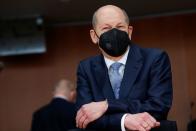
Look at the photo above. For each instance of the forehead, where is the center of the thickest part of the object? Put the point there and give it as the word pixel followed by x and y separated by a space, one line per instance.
pixel 110 16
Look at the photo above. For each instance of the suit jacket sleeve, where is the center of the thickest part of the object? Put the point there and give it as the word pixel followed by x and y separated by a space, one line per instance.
pixel 159 94
pixel 84 96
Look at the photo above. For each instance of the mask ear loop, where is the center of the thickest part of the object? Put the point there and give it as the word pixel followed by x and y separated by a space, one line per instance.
pixel 96 35
pixel 128 34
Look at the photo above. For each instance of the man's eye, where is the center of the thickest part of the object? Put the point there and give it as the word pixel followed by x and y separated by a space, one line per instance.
pixel 120 27
pixel 105 28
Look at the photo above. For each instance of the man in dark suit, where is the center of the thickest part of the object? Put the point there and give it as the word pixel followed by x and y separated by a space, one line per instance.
pixel 59 114
pixel 126 87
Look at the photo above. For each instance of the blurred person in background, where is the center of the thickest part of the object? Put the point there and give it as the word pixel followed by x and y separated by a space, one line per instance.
pixel 59 114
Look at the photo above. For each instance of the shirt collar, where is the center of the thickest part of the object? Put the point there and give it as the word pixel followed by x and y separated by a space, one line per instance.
pixel 60 96
pixel 123 60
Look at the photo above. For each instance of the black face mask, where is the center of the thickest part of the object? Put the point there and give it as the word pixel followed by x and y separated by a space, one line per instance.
pixel 114 42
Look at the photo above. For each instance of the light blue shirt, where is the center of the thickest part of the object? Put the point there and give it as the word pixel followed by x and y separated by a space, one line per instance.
pixel 123 60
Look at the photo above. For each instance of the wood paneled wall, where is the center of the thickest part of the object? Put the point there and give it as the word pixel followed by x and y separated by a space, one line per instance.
pixel 26 82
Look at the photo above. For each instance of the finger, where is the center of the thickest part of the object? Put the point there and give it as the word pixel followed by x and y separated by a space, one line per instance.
pixel 150 123
pixel 139 124
pixel 81 121
pixel 157 124
pixel 78 116
pixel 151 120
pixel 140 128
pixel 148 128
pixel 85 123
pixel 145 125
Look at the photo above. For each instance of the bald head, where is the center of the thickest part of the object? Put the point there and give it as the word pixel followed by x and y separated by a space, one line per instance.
pixel 64 85
pixel 109 17
pixel 66 89
pixel 109 10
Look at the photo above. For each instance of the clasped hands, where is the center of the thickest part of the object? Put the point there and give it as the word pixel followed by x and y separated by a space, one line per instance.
pixel 94 110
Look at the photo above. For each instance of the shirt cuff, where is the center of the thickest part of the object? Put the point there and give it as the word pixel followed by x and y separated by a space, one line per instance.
pixel 123 123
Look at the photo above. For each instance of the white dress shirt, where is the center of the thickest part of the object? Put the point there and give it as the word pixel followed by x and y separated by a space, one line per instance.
pixel 123 60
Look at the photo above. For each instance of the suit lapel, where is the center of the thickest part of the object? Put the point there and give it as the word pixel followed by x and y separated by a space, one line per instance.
pixel 132 69
pixel 102 78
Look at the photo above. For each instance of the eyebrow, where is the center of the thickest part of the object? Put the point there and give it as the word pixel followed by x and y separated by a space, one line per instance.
pixel 110 25
pixel 119 24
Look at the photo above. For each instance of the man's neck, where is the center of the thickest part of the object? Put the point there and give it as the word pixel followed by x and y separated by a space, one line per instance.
pixel 113 58
pixel 60 96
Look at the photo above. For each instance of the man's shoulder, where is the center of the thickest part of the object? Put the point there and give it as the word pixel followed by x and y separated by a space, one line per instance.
pixel 61 104
pixel 91 59
pixel 41 110
pixel 149 52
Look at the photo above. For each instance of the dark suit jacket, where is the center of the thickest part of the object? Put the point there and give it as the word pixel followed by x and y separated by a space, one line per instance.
pixel 146 86
pixel 58 115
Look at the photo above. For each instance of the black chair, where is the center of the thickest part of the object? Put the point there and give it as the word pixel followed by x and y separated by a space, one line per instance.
pixel 165 126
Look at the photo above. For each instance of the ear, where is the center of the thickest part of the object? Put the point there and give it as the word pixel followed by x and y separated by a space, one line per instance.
pixel 93 36
pixel 72 96
pixel 130 30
